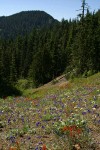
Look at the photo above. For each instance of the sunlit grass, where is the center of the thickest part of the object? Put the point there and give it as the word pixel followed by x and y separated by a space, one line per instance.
pixel 55 117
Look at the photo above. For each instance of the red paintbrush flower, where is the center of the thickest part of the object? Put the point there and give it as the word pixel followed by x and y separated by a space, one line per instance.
pixel 64 128
pixel 44 147
pixel 79 131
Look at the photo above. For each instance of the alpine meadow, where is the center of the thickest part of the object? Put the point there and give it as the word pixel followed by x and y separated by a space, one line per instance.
pixel 50 81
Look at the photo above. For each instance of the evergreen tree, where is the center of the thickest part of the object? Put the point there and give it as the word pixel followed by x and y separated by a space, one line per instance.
pixel 13 73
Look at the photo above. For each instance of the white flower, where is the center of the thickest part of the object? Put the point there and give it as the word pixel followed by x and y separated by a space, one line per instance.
pixel 93 109
pixel 62 123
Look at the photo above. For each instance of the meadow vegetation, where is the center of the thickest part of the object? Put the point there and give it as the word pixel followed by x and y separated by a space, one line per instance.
pixel 53 117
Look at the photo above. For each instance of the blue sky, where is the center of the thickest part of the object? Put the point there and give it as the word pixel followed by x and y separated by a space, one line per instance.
pixel 57 8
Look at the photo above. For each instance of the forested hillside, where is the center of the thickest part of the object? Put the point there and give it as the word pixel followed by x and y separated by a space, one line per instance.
pixel 72 46
pixel 22 23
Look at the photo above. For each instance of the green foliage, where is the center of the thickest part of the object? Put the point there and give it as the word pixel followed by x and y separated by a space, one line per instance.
pixel 24 84
pixel 74 129
pixel 24 22
pixel 25 129
pixel 40 56
pixel 90 73
pixel 47 117
pixel 61 118
pixel 2 124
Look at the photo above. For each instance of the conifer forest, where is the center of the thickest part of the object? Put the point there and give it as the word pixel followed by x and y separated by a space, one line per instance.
pixel 48 47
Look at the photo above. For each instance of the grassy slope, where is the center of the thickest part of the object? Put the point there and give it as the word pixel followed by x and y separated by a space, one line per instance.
pixel 30 119
pixel 93 81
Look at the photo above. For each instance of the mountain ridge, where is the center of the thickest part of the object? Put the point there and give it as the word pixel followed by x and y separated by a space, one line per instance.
pixel 23 22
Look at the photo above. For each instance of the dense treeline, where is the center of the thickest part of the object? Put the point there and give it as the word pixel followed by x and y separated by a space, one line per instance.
pixel 72 46
pixel 23 22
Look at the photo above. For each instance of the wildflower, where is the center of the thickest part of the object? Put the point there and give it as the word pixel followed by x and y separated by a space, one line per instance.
pixel 88 111
pixel 71 128
pixel 71 134
pixel 9 120
pixel 95 106
pixel 38 123
pixel 79 131
pixel 93 109
pixel 65 128
pixel 84 113
pixel 29 138
pixel 22 118
pixel 36 148
pixel 17 142
pixel 43 127
pixel 44 147
pixel 18 146
pixel 12 139
pixel 74 128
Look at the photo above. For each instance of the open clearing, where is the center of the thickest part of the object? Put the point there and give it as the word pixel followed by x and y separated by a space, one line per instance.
pixel 56 116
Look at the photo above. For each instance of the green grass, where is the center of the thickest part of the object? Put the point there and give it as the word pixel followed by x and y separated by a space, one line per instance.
pixel 60 117
pixel 76 83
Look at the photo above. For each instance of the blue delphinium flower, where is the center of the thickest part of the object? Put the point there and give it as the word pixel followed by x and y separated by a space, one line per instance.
pixel 12 139
pixel 9 120
pixel 89 111
pixel 42 127
pixel 95 106
pixel 84 113
pixel 38 123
